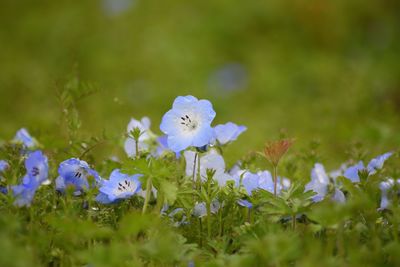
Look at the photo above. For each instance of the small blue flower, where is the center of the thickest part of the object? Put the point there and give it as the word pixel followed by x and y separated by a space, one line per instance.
pixel 352 172
pixel 209 161
pixel 162 147
pixel 36 174
pixel 25 192
pixel 74 172
pixel 200 209
pixel 37 167
pixel 188 123
pixel 143 144
pixel 319 182
pixel 119 186
pixel 250 182
pixel 225 133
pixel 377 163
pixel 3 165
pixel 245 203
pixel 23 137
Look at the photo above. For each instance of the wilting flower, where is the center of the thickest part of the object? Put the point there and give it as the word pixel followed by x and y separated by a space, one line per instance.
pixel 373 166
pixel 225 133
pixel 24 138
pixel 119 186
pixel 130 144
pixel 188 123
pixel 37 168
pixel 274 151
pixel 210 161
pixel 74 173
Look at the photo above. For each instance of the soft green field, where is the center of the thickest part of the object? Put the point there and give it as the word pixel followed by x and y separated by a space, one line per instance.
pixel 322 71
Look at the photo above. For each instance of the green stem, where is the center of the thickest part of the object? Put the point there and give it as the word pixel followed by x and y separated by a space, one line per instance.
pixel 275 176
pixel 220 222
pixel 194 170
pixel 200 232
pixel 198 174
pixel 147 197
pixel 294 221
pixel 209 220
pixel 137 148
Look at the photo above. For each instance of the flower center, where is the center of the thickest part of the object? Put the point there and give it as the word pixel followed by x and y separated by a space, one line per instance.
pixel 35 171
pixel 78 174
pixel 126 186
pixel 188 122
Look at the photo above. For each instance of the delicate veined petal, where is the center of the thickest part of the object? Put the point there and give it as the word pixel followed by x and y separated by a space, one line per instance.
pixel 377 163
pixel 319 182
pixel 352 172
pixel 188 123
pixel 23 136
pixel 225 133
pixel 266 181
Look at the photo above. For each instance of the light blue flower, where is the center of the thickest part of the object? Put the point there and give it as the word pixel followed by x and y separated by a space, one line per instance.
pixel 245 203
pixel 23 137
pixel 352 172
pixel 130 144
pixel 209 161
pixel 385 188
pixel 377 163
pixel 373 166
pixel 266 182
pixel 225 133
pixel 188 123
pixel 3 165
pixel 162 147
pixel 200 209
pixel 250 182
pixel 25 192
pixel 74 172
pixel 119 186
pixel 37 169
pixel 319 184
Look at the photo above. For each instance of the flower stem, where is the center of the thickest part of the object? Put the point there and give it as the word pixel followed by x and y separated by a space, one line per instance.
pixel 200 232
pixel 137 148
pixel 209 220
pixel 194 170
pixel 198 174
pixel 147 197
pixel 294 221
pixel 275 176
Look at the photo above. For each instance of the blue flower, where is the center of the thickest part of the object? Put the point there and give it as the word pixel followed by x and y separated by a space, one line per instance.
pixel 225 133
pixel 377 163
pixel 188 123
pixel 3 165
pixel 25 192
pixel 209 161
pixel 74 172
pixel 319 184
pixel 23 137
pixel 266 182
pixel 143 144
pixel 162 147
pixel 245 203
pixel 352 172
pixel 200 209
pixel 373 166
pixel 37 169
pixel 119 186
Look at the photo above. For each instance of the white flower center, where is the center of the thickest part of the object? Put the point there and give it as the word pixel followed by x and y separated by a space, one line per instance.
pixel 125 186
pixel 188 122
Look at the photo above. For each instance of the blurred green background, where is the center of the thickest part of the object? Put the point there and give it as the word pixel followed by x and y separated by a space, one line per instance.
pixel 326 70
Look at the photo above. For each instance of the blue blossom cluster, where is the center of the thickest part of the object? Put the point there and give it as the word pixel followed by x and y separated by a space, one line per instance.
pixel 187 132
